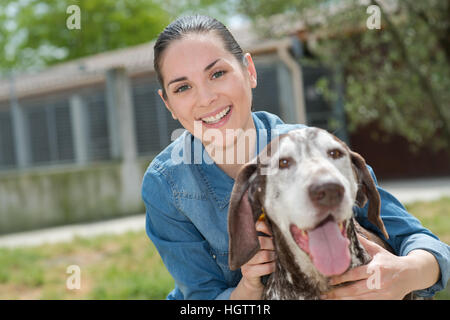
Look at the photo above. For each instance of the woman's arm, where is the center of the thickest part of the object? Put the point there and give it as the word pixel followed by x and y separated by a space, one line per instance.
pixel 185 253
pixel 424 267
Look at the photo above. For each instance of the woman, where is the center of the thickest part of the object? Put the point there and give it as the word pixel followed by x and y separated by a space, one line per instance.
pixel 206 83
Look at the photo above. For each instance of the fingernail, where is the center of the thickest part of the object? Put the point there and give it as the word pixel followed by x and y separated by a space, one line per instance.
pixel 323 296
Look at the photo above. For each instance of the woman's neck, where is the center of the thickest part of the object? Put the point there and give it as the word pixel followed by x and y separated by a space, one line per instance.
pixel 232 157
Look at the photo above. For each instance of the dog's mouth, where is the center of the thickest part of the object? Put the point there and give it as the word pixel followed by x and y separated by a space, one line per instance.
pixel 327 246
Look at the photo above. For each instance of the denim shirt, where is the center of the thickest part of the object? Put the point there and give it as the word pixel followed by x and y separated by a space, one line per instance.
pixel 186 197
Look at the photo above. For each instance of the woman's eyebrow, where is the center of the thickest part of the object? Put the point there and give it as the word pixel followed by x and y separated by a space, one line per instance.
pixel 209 66
pixel 176 80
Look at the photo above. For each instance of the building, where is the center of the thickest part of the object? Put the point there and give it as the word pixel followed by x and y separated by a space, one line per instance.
pixel 76 138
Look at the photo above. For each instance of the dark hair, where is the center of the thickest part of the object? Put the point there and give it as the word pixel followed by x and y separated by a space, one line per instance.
pixel 192 24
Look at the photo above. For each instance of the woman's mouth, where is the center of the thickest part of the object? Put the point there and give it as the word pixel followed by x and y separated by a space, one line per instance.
pixel 219 119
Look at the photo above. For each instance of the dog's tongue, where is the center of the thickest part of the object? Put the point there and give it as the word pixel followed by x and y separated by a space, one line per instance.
pixel 329 249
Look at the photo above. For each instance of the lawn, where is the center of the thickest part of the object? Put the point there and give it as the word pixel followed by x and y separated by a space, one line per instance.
pixel 112 267
pixel 127 266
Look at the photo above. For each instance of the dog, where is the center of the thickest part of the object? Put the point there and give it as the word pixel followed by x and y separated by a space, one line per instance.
pixel 306 183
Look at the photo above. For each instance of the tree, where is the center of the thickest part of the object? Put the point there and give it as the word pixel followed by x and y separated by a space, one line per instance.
pixel 398 75
pixel 34 34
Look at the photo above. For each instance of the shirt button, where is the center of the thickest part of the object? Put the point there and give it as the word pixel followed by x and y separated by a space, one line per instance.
pixel 214 256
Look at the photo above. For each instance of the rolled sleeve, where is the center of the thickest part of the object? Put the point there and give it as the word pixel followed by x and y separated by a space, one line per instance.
pixel 185 253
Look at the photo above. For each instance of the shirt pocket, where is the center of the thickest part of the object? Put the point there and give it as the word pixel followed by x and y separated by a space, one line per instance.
pixel 231 277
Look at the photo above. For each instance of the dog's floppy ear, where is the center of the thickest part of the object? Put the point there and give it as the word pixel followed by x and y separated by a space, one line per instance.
pixel 242 216
pixel 367 190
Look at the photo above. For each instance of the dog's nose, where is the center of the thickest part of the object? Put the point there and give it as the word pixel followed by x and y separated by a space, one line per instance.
pixel 326 194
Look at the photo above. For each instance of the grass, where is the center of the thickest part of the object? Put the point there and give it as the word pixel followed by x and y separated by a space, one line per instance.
pixel 112 267
pixel 434 215
pixel 128 266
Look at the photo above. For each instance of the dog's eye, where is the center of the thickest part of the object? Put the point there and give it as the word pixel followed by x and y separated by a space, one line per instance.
pixel 335 153
pixel 284 163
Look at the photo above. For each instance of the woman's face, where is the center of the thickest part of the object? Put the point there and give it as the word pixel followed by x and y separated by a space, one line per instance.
pixel 207 87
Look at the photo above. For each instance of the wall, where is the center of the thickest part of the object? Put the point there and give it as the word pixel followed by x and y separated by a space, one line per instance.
pixel 44 198
pixel 391 156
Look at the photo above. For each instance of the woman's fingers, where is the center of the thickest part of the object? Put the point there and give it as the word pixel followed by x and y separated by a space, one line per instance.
pixel 263 262
pixel 263 256
pixel 257 270
pixel 353 290
pixel 266 243
pixel 262 226
pixel 263 269
pixel 357 273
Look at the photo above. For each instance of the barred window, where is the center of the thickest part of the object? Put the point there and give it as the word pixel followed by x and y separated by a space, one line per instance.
pixel 266 93
pixel 63 132
pixel 98 132
pixel 7 149
pixel 39 138
pixel 317 108
pixel 154 124
pixel 49 131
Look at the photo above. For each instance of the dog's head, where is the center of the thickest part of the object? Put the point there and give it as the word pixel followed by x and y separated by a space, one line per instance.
pixel 307 181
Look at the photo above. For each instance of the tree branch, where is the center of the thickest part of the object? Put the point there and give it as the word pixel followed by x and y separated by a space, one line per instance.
pixel 422 78
pixel 441 35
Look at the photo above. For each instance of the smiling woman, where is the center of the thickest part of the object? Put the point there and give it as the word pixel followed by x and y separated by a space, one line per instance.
pixel 206 84
pixel 213 90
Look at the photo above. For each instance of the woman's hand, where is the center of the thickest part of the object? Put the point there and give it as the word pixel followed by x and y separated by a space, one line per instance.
pixel 262 263
pixel 386 276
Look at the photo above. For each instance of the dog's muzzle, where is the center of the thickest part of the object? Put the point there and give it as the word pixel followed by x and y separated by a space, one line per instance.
pixel 326 244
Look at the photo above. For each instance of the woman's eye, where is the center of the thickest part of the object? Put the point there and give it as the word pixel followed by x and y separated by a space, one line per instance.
pixel 181 88
pixel 218 74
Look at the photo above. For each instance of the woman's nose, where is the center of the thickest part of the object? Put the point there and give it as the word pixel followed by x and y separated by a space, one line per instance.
pixel 206 96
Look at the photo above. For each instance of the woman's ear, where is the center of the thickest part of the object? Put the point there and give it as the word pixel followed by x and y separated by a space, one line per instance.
pixel 250 66
pixel 166 104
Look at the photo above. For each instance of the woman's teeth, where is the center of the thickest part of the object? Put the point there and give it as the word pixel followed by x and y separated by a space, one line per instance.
pixel 217 117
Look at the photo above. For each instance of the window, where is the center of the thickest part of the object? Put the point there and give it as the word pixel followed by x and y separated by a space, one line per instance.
pixel 97 126
pixel 7 150
pixel 49 131
pixel 266 95
pixel 154 124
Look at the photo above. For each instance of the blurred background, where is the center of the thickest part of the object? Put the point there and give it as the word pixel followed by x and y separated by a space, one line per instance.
pixel 80 120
